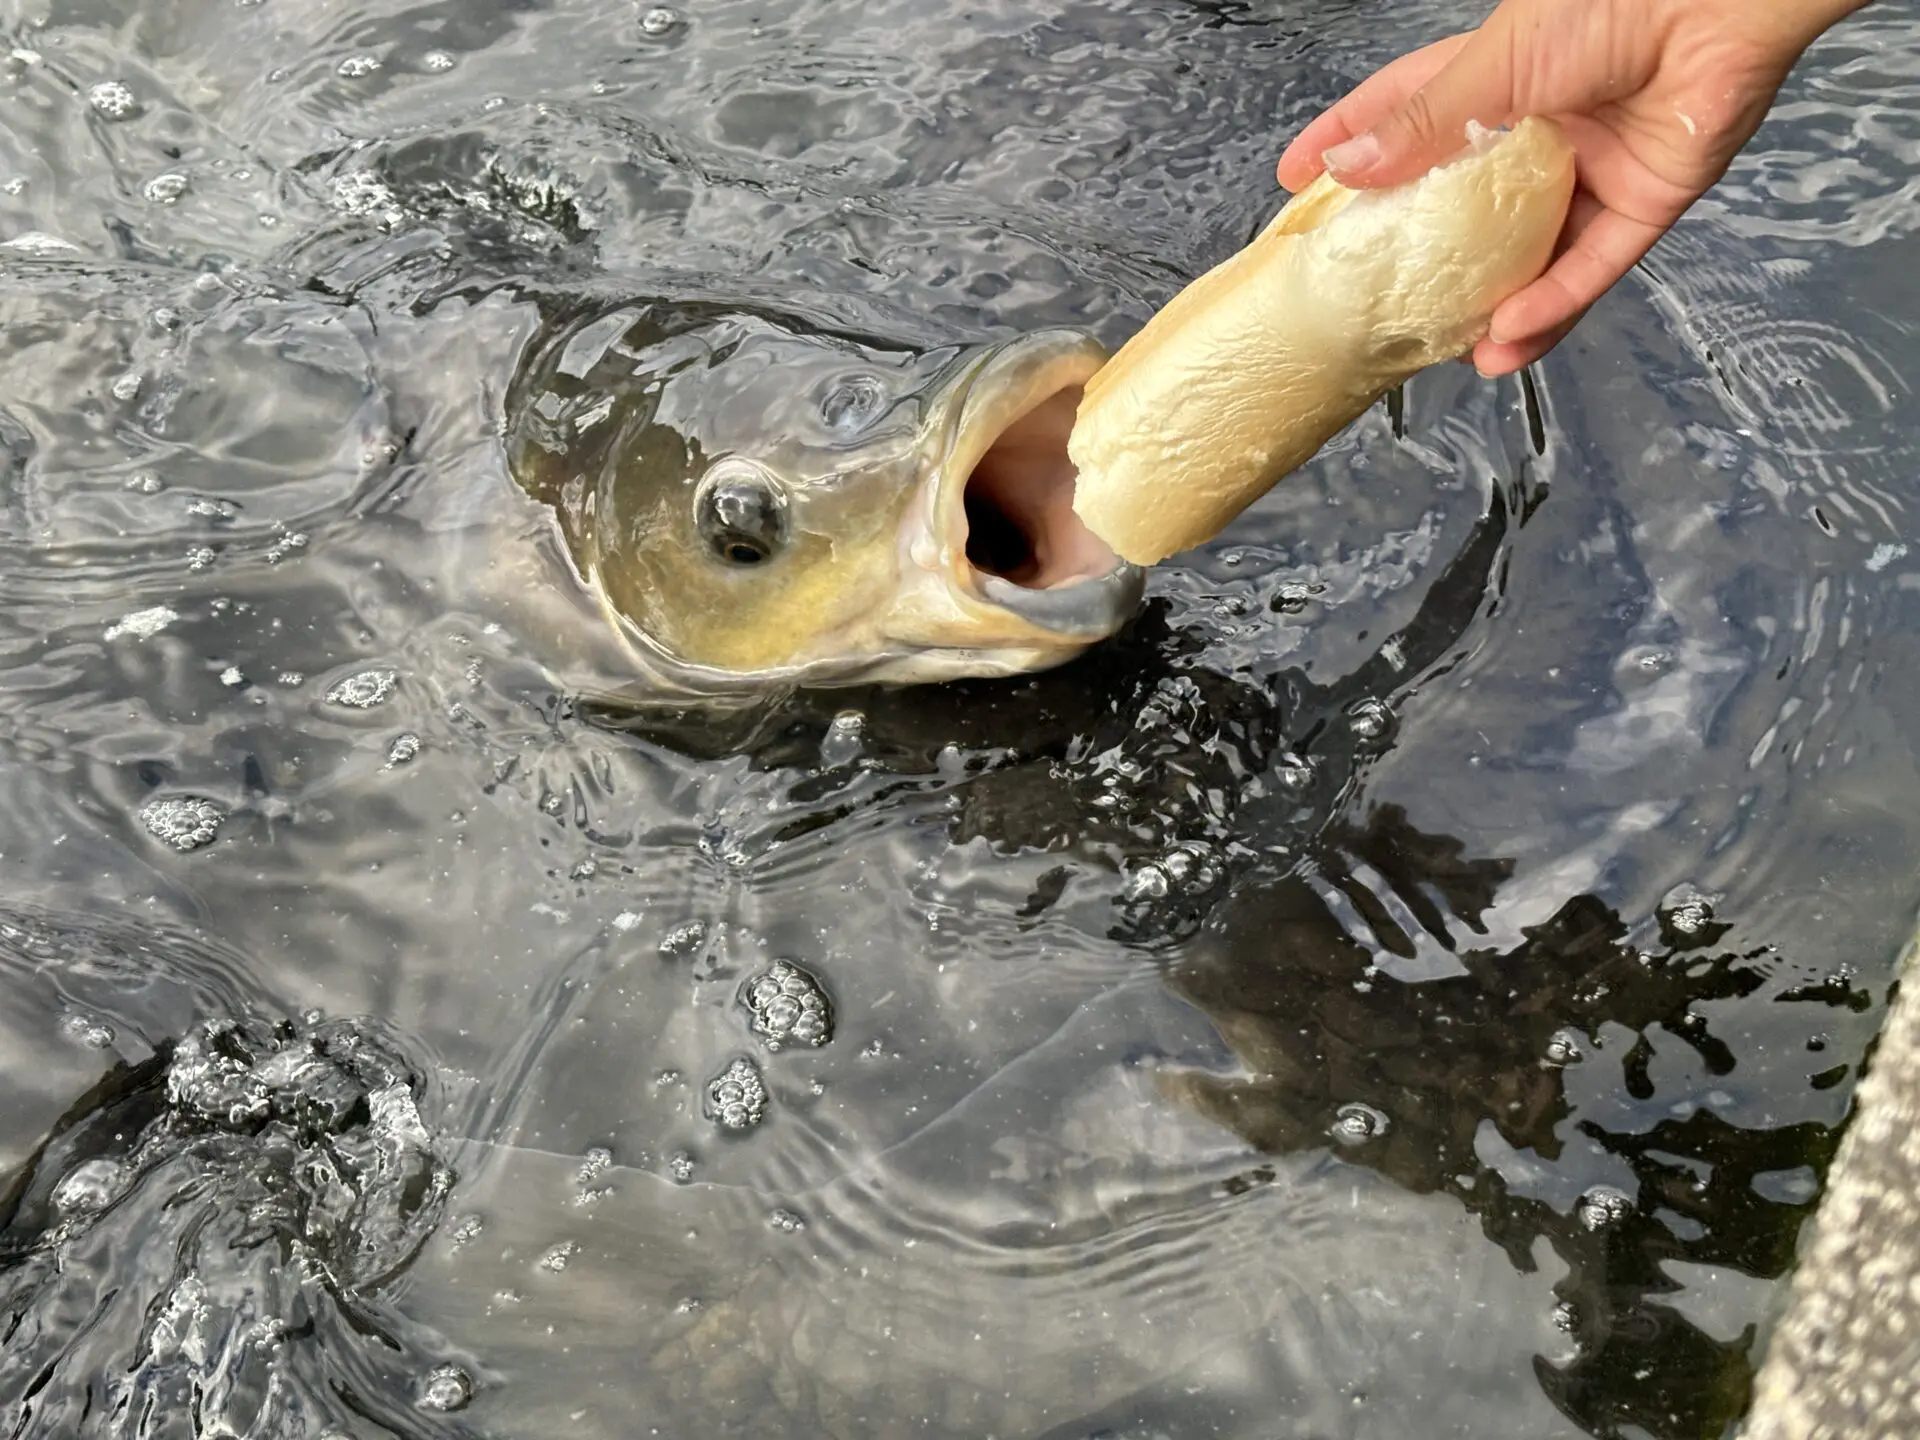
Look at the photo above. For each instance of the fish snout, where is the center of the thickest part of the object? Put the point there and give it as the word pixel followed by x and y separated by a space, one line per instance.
pixel 1013 540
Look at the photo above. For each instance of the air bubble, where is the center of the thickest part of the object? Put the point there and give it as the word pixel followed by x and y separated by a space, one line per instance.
pixel 126 387
pixel 1564 1049
pixel 445 1388
pixel 845 737
pixel 1355 1124
pixel 112 100
pixel 1370 720
pixel 737 1097
pixel 186 822
pixel 659 20
pixel 1603 1208
pixel 788 1005
pixel 365 690
pixel 167 188
pixel 787 1222
pixel 1191 867
pixel 1292 599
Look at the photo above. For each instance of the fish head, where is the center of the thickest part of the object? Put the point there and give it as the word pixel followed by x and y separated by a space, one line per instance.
pixel 758 500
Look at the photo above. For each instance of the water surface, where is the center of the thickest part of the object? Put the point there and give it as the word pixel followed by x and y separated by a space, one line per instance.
pixel 1408 984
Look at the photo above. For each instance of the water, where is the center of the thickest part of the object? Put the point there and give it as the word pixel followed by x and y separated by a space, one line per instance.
pixel 1406 985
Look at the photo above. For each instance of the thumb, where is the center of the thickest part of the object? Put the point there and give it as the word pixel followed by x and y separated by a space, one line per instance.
pixel 1430 125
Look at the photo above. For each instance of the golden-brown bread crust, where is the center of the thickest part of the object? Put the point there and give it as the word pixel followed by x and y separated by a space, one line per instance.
pixel 1247 372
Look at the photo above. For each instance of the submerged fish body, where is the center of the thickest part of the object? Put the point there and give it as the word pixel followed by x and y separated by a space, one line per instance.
pixel 756 500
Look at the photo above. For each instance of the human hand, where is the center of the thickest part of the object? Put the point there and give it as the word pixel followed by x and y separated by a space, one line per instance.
pixel 1656 97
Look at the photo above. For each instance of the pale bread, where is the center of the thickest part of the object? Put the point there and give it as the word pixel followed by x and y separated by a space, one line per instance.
pixel 1247 372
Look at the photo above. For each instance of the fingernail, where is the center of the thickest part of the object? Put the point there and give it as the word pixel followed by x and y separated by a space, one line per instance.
pixel 1350 157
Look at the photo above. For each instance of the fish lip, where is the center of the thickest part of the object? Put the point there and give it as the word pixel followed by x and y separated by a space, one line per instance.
pixel 1084 610
pixel 1085 592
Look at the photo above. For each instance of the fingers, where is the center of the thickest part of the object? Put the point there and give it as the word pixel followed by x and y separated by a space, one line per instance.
pixel 1606 246
pixel 1492 357
pixel 1361 107
pixel 1426 126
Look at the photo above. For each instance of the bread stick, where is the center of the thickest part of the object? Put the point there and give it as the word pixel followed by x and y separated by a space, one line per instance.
pixel 1248 371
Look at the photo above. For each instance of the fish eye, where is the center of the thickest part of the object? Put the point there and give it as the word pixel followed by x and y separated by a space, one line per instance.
pixel 850 404
pixel 740 514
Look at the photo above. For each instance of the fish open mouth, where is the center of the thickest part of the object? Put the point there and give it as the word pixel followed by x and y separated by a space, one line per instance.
pixel 1025 549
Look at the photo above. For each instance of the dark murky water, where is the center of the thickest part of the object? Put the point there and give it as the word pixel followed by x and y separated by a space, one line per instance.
pixel 1406 985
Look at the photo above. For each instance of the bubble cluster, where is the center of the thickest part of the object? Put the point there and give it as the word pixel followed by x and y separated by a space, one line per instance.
pixel 787 1222
pixel 789 1006
pixel 38 242
pixel 737 1097
pixel 365 690
pixel 1690 916
pixel 186 822
pixel 357 67
pixel 445 1388
pixel 367 196
pixel 404 747
pixel 1603 1208
pixel 684 940
pixel 84 1031
pixel 142 624
pixel 438 61
pixel 284 546
pixel 1355 1124
pixel 112 100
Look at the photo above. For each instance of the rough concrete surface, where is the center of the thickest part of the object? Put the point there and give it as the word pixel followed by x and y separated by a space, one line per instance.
pixel 1844 1363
